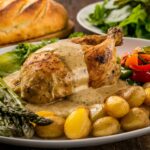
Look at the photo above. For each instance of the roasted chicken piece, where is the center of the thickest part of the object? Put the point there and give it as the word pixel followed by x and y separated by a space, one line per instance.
pixel 69 66
pixel 101 60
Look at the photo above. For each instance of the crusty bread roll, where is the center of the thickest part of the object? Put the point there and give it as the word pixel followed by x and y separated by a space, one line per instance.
pixel 26 19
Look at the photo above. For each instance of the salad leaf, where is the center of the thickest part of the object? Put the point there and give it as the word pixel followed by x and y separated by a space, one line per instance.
pixel 131 15
pixel 147 26
pixel 118 15
pixel 12 61
pixel 76 34
pixel 135 20
pixel 99 12
pixel 110 4
pixel 121 2
pixel 138 14
pixel 143 1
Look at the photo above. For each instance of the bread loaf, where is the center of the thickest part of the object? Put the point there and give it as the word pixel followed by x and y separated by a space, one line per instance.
pixel 26 19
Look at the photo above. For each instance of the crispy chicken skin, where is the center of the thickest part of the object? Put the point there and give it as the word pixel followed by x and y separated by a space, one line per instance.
pixel 101 59
pixel 46 78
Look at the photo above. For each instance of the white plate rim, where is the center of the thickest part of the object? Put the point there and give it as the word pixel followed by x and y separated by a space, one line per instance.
pixel 94 141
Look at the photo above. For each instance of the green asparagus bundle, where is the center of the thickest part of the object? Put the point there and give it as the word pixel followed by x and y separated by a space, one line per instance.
pixel 19 112
pixel 15 120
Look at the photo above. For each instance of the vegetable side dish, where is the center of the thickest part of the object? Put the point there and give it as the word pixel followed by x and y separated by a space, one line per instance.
pixel 136 66
pixel 131 15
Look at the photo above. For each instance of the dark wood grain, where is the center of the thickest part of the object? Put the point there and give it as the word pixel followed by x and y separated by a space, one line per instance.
pixel 73 6
pixel 141 143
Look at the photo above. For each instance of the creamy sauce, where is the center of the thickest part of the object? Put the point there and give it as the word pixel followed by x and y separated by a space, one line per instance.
pixel 84 98
pixel 73 57
pixel 92 96
pixel 62 108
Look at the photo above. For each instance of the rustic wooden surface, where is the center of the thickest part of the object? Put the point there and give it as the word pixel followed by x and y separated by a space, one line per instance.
pixel 141 143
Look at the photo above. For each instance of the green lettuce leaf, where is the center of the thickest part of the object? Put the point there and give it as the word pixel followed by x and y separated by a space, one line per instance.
pixel 98 16
pixel 76 34
pixel 138 14
pixel 12 61
pixel 147 25
pixel 118 15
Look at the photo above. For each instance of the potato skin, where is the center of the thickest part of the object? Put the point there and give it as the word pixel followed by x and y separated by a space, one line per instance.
pixel 147 99
pixel 135 95
pixel 146 85
pixel 54 130
pixel 97 111
pixel 105 126
pixel 116 106
pixel 78 124
pixel 146 109
pixel 135 119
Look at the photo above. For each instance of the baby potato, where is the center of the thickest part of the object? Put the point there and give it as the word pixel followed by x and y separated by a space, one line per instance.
pixel 116 106
pixel 45 113
pixel 146 109
pixel 135 96
pixel 105 126
pixel 147 99
pixel 78 124
pixel 146 85
pixel 97 111
pixel 135 119
pixel 54 130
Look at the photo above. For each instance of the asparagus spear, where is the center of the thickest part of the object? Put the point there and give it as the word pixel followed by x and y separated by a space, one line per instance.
pixel 15 126
pixel 7 126
pixel 19 110
pixel 14 118
pixel 27 128
pixel 4 130
pixel 32 117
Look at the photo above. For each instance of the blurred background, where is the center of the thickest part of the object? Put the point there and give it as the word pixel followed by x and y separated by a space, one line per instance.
pixel 73 6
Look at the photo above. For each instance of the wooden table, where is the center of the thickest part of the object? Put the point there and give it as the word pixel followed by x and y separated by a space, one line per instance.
pixel 141 143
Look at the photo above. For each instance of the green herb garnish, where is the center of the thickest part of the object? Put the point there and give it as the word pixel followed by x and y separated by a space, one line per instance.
pixel 12 61
pixel 76 34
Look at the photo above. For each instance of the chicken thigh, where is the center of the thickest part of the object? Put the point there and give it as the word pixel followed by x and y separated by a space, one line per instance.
pixel 69 66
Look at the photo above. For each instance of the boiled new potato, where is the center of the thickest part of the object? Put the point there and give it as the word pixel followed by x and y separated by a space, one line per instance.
pixel 146 85
pixel 105 126
pixel 54 130
pixel 97 111
pixel 147 99
pixel 146 109
pixel 135 96
pixel 135 119
pixel 78 124
pixel 116 106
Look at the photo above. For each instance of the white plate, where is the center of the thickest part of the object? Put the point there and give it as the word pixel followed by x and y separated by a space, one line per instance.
pixel 82 19
pixel 128 45
pixel 83 15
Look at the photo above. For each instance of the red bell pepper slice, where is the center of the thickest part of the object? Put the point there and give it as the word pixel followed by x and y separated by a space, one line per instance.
pixel 145 57
pixel 140 67
pixel 141 76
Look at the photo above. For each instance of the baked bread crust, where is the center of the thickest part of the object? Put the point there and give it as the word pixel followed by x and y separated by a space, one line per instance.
pixel 27 19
